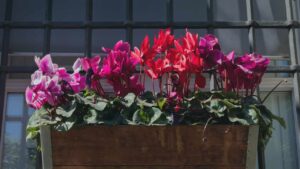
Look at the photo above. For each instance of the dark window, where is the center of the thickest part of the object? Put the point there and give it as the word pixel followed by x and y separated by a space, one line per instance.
pixel 145 10
pixel 68 10
pixel 29 10
pixel 190 10
pixel 112 10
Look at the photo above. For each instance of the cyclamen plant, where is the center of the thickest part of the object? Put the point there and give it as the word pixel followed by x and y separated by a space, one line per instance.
pixel 64 100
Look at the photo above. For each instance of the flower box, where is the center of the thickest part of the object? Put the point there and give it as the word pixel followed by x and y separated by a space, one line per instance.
pixel 155 147
pixel 175 123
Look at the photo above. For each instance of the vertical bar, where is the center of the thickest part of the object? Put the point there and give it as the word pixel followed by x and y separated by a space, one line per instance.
pixel 4 61
pixel 252 144
pixel 23 135
pixel 170 14
pixel 46 50
pixel 296 78
pixel 210 16
pixel 251 31
pixel 251 36
pixel 47 31
pixel 129 18
pixel 88 30
pixel 46 147
pixel 209 7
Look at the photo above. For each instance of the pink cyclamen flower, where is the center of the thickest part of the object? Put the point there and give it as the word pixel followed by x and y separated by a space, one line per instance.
pixel 49 83
pixel 35 99
pixel 46 65
pixel 77 82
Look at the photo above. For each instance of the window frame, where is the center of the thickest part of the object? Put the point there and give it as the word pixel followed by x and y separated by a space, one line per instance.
pixel 88 25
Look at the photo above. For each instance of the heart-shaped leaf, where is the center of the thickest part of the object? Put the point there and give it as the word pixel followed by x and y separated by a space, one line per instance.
pixel 66 110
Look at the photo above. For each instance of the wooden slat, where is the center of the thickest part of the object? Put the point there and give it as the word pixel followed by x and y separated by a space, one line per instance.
pixel 151 146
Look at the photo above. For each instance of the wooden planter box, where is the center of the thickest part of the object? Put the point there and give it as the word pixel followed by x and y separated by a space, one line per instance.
pixel 155 147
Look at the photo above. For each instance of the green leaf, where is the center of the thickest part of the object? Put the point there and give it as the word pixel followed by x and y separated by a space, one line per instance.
pixel 156 115
pixel 161 102
pixel 129 99
pixel 245 116
pixel 253 114
pixel 66 125
pixel 229 103
pixel 251 100
pixel 217 107
pixel 160 118
pixel 280 120
pixel 140 117
pixel 66 110
pixel 39 118
pixel 100 106
pixel 32 132
pixel 234 116
pixel 148 96
pixel 268 115
pixel 91 117
pixel 151 116
pixel 144 103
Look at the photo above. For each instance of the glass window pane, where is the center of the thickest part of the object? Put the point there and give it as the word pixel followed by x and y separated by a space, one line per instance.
pixel 145 10
pixel 232 10
pixel 29 10
pixel 272 42
pixel 26 40
pixel 2 11
pixel 24 44
pixel 112 10
pixel 25 76
pixel 106 38
pixel 139 35
pixel 269 10
pixel 12 145
pixel 233 39
pixel 190 10
pixel 31 154
pixel 181 32
pixel 280 151
pixel 15 104
pixel 68 10
pixel 30 111
pixel 22 60
pixel 65 60
pixel 67 40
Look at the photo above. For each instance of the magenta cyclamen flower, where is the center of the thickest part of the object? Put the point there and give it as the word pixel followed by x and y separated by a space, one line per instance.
pixel 250 69
pixel 87 64
pixel 210 51
pixel 119 68
pixel 243 72
pixel 45 89
pixel 50 82
pixel 45 65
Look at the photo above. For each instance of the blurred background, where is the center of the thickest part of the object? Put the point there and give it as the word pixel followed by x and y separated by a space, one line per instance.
pixel 75 28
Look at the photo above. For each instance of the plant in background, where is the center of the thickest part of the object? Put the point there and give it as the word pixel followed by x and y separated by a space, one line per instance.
pixel 177 65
